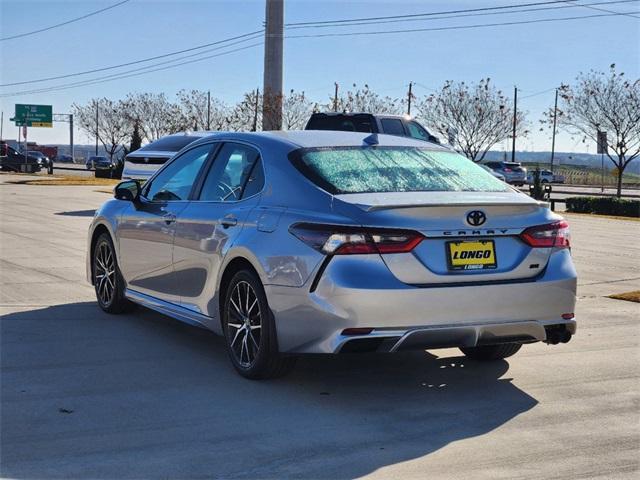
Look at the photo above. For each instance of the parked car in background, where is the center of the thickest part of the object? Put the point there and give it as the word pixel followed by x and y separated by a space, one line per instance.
pixel 106 168
pixel 514 173
pixel 14 161
pixel 499 176
pixel 546 176
pixel 400 125
pixel 96 159
pixel 64 159
pixel 42 159
pixel 144 162
pixel 305 242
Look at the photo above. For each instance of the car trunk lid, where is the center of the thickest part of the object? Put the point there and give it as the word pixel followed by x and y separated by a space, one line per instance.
pixel 444 218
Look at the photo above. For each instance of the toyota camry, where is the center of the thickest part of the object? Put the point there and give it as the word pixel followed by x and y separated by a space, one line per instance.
pixel 303 242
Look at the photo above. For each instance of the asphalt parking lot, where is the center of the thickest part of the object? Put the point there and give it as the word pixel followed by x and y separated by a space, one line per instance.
pixel 88 395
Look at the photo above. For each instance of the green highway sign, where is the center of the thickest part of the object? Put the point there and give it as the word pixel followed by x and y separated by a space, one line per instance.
pixel 33 115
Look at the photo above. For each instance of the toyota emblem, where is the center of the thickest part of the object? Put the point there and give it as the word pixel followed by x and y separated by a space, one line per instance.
pixel 476 218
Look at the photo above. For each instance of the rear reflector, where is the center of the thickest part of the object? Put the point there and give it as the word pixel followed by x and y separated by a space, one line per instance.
pixel 567 316
pixel 546 236
pixel 345 240
pixel 357 331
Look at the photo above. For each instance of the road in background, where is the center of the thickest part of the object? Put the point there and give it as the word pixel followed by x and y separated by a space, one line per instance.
pixel 90 395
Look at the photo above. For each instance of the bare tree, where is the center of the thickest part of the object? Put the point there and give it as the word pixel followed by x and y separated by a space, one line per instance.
pixel 155 114
pixel 194 109
pixel 367 101
pixel 113 128
pixel 296 109
pixel 608 103
pixel 246 115
pixel 479 115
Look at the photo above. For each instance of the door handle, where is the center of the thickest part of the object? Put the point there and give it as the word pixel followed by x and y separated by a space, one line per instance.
pixel 227 222
pixel 169 218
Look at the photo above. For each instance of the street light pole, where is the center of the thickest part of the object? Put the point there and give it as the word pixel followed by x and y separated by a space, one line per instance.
pixel 273 65
pixel 409 95
pixel 515 112
pixel 208 110
pixel 553 138
pixel 97 128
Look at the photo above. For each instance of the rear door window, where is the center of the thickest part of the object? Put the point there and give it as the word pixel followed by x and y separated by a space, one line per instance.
pixel 235 173
pixel 392 126
pixel 342 123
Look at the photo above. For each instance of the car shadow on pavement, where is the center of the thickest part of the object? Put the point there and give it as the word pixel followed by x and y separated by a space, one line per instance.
pixel 90 395
pixel 77 213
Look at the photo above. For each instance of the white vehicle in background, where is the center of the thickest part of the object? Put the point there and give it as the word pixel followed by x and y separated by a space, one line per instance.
pixel 141 164
pixel 546 176
pixel 498 175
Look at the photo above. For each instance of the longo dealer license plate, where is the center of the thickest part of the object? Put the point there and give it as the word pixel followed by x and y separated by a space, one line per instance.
pixel 475 255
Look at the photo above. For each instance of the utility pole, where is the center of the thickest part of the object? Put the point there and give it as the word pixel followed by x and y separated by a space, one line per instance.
pixel 409 95
pixel 208 110
pixel 97 128
pixel 553 137
pixel 273 60
pixel 71 147
pixel 1 124
pixel 335 97
pixel 515 113
pixel 254 127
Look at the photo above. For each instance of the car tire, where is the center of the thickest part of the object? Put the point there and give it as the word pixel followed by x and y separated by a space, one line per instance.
pixel 107 279
pixel 491 352
pixel 245 316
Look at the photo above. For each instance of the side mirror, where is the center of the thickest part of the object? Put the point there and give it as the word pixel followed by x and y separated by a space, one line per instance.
pixel 128 190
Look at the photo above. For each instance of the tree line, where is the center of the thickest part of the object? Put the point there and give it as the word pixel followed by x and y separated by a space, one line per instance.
pixel 471 117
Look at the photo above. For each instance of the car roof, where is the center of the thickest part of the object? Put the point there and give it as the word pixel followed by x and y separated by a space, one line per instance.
pixel 294 139
pixel 354 114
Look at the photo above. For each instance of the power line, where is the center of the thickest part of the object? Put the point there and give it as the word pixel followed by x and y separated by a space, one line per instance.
pixel 253 35
pixel 139 69
pixel 538 93
pixel 415 15
pixel 455 27
pixel 600 9
pixel 112 77
pixel 457 14
pixel 40 30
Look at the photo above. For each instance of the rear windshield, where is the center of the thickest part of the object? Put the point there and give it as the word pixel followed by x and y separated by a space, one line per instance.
pixel 343 123
pixel 393 169
pixel 169 144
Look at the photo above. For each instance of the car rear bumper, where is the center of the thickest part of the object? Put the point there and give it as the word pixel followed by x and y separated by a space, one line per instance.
pixel 419 317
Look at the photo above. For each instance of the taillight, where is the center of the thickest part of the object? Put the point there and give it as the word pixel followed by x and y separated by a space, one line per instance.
pixel 343 240
pixel 546 236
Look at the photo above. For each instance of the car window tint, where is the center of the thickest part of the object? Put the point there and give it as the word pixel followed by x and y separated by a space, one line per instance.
pixel 393 169
pixel 175 182
pixel 343 123
pixel 392 126
pixel 230 172
pixel 416 131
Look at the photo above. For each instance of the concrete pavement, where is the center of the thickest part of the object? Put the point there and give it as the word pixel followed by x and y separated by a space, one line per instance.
pixel 89 395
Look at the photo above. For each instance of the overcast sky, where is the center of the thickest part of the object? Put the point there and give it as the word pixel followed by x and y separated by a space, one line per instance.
pixel 536 57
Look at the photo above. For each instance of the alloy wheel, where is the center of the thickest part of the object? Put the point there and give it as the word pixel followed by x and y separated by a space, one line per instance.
pixel 244 323
pixel 105 274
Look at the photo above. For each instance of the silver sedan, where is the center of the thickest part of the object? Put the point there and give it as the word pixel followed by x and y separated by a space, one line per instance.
pixel 331 242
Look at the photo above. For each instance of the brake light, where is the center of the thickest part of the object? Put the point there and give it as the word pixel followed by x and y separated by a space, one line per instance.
pixel 343 240
pixel 546 236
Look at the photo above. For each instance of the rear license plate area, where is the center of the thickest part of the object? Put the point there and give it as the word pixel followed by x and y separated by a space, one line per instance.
pixel 471 255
